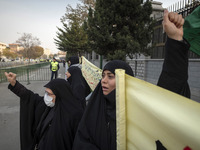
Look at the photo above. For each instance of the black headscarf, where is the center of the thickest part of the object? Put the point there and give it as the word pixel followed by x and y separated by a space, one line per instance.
pixel 118 64
pixel 97 128
pixel 79 86
pixel 74 60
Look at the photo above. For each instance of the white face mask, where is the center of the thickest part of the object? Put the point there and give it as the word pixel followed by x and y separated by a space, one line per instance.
pixel 48 100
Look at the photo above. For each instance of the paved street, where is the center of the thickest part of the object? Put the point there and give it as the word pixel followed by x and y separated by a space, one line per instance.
pixel 9 112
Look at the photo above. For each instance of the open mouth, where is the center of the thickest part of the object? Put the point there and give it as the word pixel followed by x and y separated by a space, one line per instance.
pixel 104 88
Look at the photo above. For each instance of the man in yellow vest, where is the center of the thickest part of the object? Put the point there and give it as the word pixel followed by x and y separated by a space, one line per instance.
pixel 54 67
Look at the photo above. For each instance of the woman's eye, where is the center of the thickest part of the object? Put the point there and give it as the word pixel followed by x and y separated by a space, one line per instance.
pixel 111 77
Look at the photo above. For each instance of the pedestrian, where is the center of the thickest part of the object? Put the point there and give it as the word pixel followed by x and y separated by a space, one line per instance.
pixel 49 122
pixel 97 128
pixel 63 62
pixel 54 67
pixel 78 84
pixel 74 61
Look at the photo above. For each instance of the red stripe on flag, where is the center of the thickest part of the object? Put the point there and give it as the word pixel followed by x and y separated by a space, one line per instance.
pixel 187 148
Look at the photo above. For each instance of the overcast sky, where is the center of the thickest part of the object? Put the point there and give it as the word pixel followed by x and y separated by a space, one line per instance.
pixel 38 17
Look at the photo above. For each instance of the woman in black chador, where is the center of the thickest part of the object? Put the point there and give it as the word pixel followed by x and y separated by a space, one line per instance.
pixel 74 61
pixel 79 86
pixel 97 128
pixel 49 122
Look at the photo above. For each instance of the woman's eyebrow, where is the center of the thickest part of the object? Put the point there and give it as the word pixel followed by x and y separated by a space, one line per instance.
pixel 48 92
pixel 110 73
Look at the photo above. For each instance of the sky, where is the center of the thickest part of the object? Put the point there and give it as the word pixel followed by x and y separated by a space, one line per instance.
pixel 38 17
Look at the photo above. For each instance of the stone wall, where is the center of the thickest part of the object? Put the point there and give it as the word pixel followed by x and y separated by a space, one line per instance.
pixel 150 69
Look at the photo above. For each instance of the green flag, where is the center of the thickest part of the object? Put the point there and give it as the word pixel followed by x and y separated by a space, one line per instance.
pixel 191 30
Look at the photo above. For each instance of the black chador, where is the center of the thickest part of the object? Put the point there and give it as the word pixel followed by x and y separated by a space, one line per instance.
pixel 79 86
pixel 97 128
pixel 48 128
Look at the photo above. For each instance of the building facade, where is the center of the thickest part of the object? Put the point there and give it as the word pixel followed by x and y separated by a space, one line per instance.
pixel 2 46
pixel 47 53
pixel 15 47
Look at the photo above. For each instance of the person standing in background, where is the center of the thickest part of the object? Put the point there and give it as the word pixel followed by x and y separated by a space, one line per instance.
pixel 54 67
pixel 63 62
pixel 80 87
pixel 74 61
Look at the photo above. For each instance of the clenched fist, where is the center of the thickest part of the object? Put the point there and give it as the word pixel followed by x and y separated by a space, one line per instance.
pixel 173 25
pixel 11 77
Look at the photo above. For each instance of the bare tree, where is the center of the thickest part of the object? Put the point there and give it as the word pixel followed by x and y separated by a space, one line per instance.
pixel 81 11
pixel 27 41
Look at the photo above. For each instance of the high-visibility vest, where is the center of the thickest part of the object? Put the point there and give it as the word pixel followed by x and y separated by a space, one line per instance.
pixel 54 66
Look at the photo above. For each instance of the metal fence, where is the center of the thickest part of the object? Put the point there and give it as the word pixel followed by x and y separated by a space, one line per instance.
pixel 184 7
pixel 36 72
pixel 14 63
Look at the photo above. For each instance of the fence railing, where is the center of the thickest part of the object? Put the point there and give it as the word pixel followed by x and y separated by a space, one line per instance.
pixel 183 7
pixel 14 63
pixel 36 72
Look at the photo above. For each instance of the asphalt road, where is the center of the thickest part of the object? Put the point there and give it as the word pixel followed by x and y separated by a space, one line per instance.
pixel 9 112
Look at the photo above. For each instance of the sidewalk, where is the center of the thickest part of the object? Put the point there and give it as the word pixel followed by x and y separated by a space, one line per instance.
pixel 9 111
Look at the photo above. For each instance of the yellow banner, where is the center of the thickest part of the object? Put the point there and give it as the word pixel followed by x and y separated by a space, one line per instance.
pixel 147 113
pixel 91 73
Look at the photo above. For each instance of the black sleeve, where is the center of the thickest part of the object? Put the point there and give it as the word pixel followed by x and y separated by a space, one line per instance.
pixel 174 73
pixel 31 108
pixel 25 95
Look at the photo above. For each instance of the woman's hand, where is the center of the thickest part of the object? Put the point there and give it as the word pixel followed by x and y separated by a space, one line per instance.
pixel 11 77
pixel 173 25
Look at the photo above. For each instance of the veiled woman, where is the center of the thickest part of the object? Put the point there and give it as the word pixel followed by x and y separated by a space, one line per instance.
pixel 79 86
pixel 49 122
pixel 97 128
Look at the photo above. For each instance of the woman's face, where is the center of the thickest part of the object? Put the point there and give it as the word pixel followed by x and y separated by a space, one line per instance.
pixel 68 74
pixel 108 82
pixel 69 62
pixel 50 93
